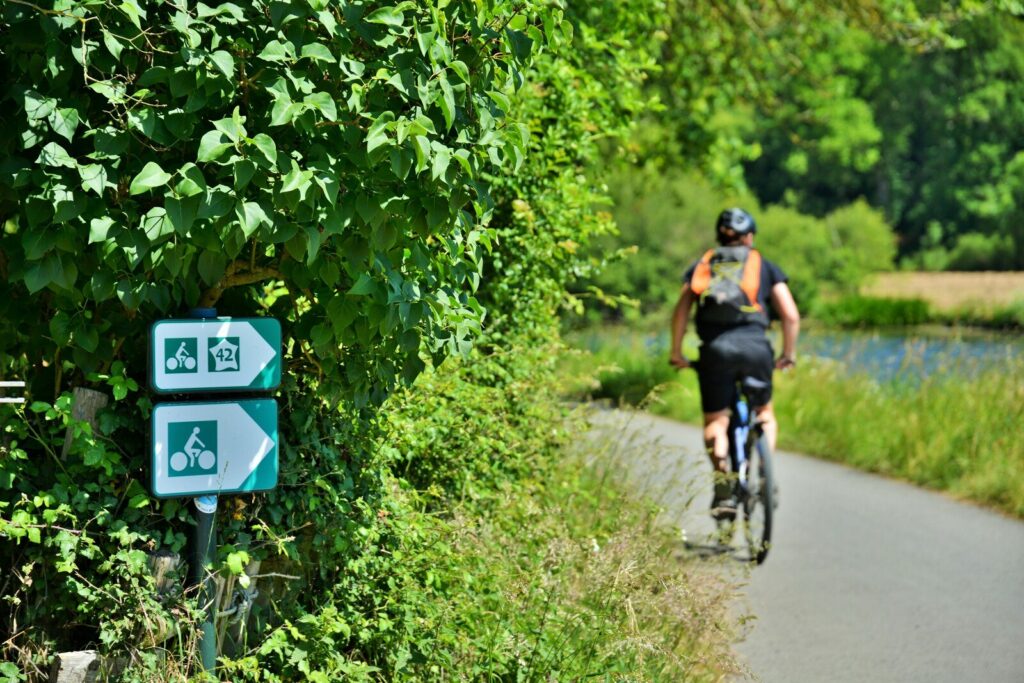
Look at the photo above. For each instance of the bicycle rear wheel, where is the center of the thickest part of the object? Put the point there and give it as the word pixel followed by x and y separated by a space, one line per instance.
pixel 759 506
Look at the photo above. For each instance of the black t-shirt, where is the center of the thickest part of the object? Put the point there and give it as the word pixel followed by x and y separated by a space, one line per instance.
pixel 771 275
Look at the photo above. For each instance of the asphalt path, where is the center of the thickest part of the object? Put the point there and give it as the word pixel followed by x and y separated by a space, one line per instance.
pixel 868 579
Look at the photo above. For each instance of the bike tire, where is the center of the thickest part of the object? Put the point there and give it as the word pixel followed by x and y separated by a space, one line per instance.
pixel 759 507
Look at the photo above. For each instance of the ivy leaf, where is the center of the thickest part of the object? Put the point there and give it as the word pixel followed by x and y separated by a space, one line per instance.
pixel 149 177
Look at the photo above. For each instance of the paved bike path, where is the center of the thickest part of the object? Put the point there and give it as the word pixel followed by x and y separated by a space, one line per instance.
pixel 868 579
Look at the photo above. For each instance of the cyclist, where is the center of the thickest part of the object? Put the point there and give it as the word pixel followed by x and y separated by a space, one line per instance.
pixel 732 287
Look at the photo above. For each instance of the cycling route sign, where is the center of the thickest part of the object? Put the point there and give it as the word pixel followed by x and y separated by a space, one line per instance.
pixel 215 354
pixel 214 447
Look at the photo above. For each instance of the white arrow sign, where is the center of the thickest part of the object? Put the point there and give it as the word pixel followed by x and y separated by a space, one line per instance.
pixel 215 354
pixel 201 448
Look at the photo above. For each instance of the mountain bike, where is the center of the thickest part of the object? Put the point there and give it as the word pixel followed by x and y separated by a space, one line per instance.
pixel 754 487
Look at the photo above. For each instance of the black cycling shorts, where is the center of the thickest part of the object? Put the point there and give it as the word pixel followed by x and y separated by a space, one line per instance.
pixel 730 358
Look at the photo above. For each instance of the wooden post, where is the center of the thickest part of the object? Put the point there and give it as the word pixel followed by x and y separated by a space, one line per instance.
pixel 85 405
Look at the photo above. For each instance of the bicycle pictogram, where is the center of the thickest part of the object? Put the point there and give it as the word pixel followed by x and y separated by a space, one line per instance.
pixel 180 355
pixel 193 446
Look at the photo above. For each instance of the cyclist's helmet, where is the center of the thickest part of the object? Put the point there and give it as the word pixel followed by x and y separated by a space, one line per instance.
pixel 733 223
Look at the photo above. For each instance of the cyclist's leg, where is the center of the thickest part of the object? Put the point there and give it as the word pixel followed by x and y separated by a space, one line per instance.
pixel 770 427
pixel 716 439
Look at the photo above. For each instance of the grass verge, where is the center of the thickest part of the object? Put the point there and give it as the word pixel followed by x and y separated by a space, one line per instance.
pixel 956 431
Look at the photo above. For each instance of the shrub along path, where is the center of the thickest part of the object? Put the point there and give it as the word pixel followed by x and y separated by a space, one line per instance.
pixel 869 579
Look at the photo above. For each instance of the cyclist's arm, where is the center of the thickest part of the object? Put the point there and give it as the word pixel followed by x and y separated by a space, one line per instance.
pixel 680 318
pixel 785 306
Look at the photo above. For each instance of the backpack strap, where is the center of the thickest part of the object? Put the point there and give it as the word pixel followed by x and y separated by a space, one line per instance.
pixel 751 282
pixel 701 277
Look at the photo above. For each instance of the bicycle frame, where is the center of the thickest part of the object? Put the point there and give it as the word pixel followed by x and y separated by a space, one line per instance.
pixel 740 428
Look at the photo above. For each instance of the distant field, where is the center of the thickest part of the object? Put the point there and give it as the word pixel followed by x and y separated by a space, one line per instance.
pixel 949 291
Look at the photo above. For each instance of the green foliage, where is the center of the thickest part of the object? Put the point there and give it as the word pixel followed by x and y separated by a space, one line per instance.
pixel 158 157
pixel 394 181
pixel 929 132
pixel 956 431
pixel 669 219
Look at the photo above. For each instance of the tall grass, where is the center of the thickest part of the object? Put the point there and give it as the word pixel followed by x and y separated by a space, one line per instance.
pixel 958 430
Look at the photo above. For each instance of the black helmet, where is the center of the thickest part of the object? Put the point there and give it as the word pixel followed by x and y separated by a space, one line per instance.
pixel 735 221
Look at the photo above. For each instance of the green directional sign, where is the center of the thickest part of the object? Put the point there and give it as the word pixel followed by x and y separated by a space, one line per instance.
pixel 215 354
pixel 214 447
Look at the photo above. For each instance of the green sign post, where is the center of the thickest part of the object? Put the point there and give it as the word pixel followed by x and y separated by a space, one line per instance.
pixel 206 449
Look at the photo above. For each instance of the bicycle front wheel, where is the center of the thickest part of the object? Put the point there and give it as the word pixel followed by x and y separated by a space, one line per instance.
pixel 759 506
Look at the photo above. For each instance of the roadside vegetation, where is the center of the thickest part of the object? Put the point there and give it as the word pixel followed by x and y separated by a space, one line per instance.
pixel 953 430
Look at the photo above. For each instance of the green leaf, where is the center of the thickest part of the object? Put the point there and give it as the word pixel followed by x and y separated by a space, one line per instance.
pixel 323 103
pixel 224 62
pixel 155 224
pixel 60 328
pixel 212 267
pixel 388 16
pixel 55 155
pixel 296 179
pixel 114 46
pixel 442 157
pixel 283 111
pixel 243 172
pixel 38 106
pixel 401 163
pixel 317 52
pixel 236 561
pixel 94 177
pixel 363 286
pixel 181 213
pixel 64 122
pixel 192 181
pixel 422 147
pixel 461 70
pixel 447 101
pixel 276 51
pixel 99 228
pixel 213 145
pixel 251 216
pixel 267 147
pixel 500 99
pixel 149 177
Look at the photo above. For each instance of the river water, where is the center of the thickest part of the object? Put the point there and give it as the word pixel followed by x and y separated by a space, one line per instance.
pixel 917 353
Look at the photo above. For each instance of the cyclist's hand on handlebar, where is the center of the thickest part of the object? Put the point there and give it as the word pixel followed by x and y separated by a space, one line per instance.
pixel 785 363
pixel 677 360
